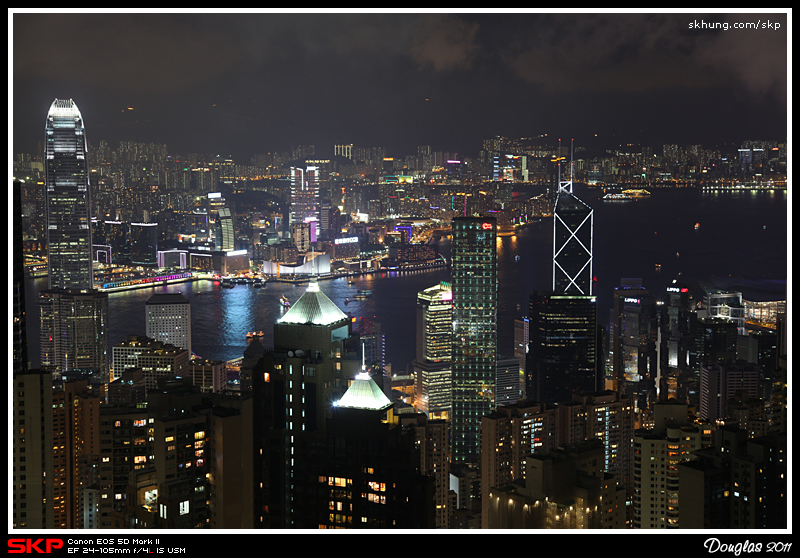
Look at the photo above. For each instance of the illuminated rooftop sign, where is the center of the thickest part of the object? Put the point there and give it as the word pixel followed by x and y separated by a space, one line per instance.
pixel 348 240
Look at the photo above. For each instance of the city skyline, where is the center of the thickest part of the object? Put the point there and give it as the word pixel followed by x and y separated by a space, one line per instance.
pixel 242 84
pixel 275 439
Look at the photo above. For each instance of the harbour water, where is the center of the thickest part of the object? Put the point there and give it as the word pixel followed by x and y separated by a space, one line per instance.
pixel 697 235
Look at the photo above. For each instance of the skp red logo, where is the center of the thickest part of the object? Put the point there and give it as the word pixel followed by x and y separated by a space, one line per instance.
pixel 29 546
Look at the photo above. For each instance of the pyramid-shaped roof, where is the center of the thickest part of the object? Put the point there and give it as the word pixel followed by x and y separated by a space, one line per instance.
pixel 314 307
pixel 364 393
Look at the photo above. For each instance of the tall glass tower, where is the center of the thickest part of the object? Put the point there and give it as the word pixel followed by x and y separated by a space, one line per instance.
pixel 474 355
pixel 304 194
pixel 74 316
pixel 573 225
pixel 67 198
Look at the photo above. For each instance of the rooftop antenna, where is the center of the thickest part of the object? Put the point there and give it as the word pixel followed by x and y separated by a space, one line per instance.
pixel 564 185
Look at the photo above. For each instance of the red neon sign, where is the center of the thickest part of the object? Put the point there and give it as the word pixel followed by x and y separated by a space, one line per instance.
pixel 487 226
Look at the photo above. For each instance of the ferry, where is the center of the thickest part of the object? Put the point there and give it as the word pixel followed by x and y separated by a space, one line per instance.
pixel 252 334
pixel 637 193
pixel 616 197
pixel 363 293
pixel 285 301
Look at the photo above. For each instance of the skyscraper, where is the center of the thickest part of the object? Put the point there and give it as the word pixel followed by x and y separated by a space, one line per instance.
pixel 294 386
pixel 562 357
pixel 432 367
pixel 73 314
pixel 226 233
pixel 563 352
pixel 68 200
pixel 573 224
pixel 305 194
pixel 474 274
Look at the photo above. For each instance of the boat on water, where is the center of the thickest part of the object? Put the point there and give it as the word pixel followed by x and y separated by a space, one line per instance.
pixel 636 192
pixel 252 334
pixel 697 226
pixel 363 293
pixel 516 258
pixel 285 301
pixel 616 196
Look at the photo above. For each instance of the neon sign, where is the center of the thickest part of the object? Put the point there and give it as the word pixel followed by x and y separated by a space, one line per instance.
pixel 486 226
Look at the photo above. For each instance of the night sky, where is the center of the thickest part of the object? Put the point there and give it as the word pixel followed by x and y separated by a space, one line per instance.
pixel 244 83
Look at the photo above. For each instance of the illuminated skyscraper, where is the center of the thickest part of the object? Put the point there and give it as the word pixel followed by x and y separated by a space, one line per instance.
pixel 474 273
pixel 315 355
pixel 73 315
pixel 573 224
pixel 67 198
pixel 305 194
pixel 433 366
pixel 226 232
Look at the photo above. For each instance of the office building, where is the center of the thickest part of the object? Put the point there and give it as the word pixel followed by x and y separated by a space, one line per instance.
pixel 573 224
pixel 73 316
pixel 169 320
pixel 629 288
pixel 678 356
pixel 433 365
pixel 521 348
pixel 726 305
pixel 67 198
pixel 225 231
pixel 563 354
pixel 506 379
pixel 719 383
pixel 73 330
pixel 144 243
pixel 304 195
pixel 208 375
pixel 635 347
pixel 155 358
pixel 474 275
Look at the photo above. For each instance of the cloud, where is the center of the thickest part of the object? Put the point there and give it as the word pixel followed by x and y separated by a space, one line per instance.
pixel 444 42
pixel 644 52
pixel 756 58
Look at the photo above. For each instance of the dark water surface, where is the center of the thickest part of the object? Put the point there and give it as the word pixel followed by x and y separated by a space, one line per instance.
pixel 739 235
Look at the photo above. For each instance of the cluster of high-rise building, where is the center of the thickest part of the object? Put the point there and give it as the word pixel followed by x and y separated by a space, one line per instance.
pixel 682 424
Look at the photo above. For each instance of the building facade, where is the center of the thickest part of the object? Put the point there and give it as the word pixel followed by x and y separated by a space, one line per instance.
pixel 474 274
pixel 169 319
pixel 67 198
